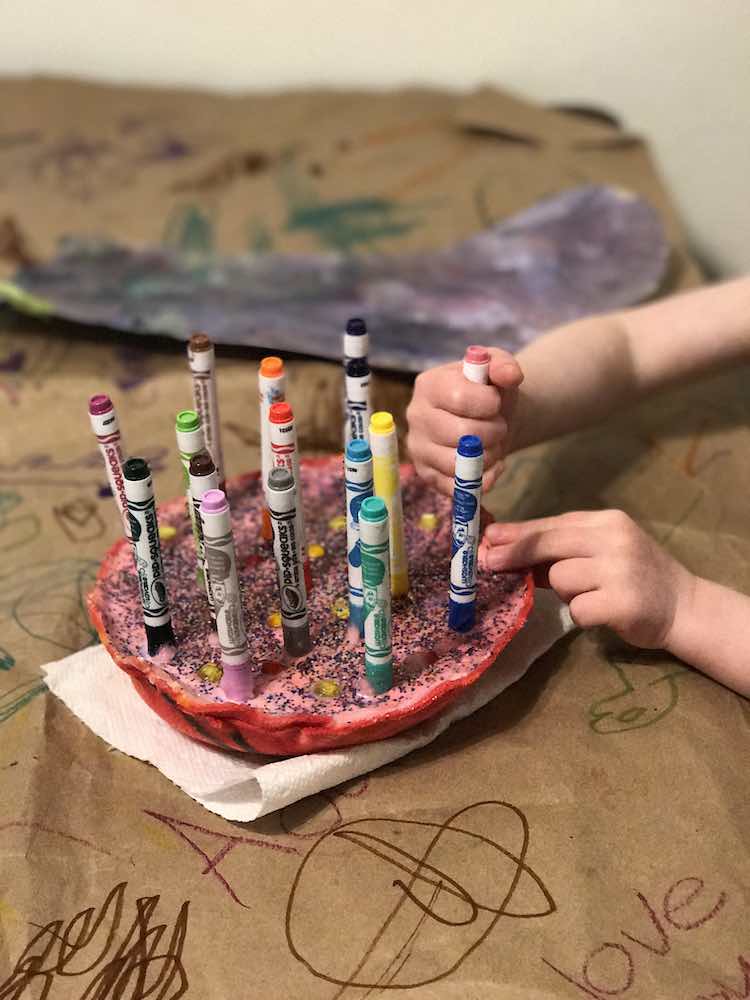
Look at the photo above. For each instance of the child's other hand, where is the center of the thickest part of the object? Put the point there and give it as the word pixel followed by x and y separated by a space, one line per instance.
pixel 445 406
pixel 603 566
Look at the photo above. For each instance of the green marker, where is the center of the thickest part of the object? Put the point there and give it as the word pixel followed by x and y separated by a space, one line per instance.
pixel 190 442
pixel 376 584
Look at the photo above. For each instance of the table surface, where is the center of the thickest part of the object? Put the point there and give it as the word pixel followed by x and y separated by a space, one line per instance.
pixel 586 834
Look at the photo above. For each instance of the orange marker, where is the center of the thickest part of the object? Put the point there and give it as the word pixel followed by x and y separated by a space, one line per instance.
pixel 285 455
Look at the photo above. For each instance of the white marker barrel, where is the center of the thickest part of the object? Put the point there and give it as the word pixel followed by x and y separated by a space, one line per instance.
pixel 358 483
pixel 374 542
pixel 271 389
pixel 285 455
pixel 105 426
pixel 203 477
pixel 355 346
pixel 282 506
pixel 357 383
pixel 477 364
pixel 467 500
pixel 190 441
pixel 144 531
pixel 203 370
pixel 221 562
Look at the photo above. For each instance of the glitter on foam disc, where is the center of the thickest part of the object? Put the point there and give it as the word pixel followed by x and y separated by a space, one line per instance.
pixel 285 715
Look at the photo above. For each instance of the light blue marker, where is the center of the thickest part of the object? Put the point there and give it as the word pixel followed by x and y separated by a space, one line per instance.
pixel 358 478
pixel 467 496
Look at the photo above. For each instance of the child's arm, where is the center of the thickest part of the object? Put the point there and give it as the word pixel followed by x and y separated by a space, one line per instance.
pixel 612 573
pixel 574 376
pixel 580 373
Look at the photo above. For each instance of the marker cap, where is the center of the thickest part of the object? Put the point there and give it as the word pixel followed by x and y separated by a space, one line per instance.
pixel 358 451
pixel 280 413
pixel 200 342
pixel 373 509
pixel 136 469
pixel 382 423
pixel 202 464
pixel 356 327
pixel 477 355
pixel 470 446
pixel 187 421
pixel 280 479
pixel 100 404
pixel 214 502
pixel 271 367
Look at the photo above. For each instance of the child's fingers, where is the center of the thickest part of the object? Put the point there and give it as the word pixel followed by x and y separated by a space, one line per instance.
pixel 536 546
pixel 503 532
pixel 570 577
pixel 447 429
pixel 505 372
pixel 446 389
pixel 433 477
pixel 590 609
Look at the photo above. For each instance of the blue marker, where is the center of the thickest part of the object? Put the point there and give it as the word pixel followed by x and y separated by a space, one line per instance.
pixel 358 477
pixel 467 495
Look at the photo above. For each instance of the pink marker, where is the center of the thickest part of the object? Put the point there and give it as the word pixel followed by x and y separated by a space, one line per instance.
pixel 107 430
pixel 477 364
pixel 221 563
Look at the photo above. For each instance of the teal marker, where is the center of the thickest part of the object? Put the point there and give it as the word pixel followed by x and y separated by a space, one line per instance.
pixel 376 585
pixel 190 442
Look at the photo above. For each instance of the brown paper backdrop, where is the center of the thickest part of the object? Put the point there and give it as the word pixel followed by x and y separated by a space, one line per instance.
pixel 584 835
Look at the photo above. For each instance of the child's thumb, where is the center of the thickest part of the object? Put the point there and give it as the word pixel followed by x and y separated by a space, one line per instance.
pixel 505 372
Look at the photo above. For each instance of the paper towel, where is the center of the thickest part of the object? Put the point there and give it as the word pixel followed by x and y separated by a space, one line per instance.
pixel 243 788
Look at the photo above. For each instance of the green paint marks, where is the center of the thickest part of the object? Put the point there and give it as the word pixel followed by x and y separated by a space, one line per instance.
pixel 7 662
pixel 24 301
pixel 647 693
pixel 19 696
pixel 341 224
pixel 190 230
pixel 259 237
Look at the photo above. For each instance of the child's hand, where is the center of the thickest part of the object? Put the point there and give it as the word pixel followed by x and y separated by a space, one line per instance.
pixel 604 566
pixel 445 406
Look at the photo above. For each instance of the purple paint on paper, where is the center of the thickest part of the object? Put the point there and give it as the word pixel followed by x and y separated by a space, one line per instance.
pixel 588 250
pixel 14 362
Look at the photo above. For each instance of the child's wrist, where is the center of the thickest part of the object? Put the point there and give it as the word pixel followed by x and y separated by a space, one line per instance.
pixel 681 636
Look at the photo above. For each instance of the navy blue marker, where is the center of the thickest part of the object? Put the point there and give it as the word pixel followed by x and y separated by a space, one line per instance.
pixel 467 496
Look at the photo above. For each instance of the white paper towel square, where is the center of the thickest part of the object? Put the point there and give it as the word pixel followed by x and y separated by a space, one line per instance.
pixel 245 787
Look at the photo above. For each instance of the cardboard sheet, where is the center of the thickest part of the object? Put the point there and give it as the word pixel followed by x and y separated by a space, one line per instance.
pixel 583 835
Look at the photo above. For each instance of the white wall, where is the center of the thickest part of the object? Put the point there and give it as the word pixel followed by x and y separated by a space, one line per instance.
pixel 676 70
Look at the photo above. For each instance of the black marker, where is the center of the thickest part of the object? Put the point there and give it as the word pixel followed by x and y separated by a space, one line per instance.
pixel 144 528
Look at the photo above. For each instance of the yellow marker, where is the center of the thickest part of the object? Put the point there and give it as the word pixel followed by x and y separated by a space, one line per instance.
pixel 387 486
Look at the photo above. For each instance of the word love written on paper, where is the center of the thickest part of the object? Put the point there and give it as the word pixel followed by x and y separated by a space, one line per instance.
pixel 113 955
pixel 613 967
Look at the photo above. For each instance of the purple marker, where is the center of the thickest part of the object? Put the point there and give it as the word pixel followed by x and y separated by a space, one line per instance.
pixel 221 564
pixel 107 430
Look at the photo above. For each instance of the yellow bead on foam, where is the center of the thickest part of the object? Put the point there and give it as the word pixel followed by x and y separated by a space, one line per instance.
pixel 315 551
pixel 337 523
pixel 327 689
pixel 428 522
pixel 340 608
pixel 167 532
pixel 210 672
pixel 274 619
